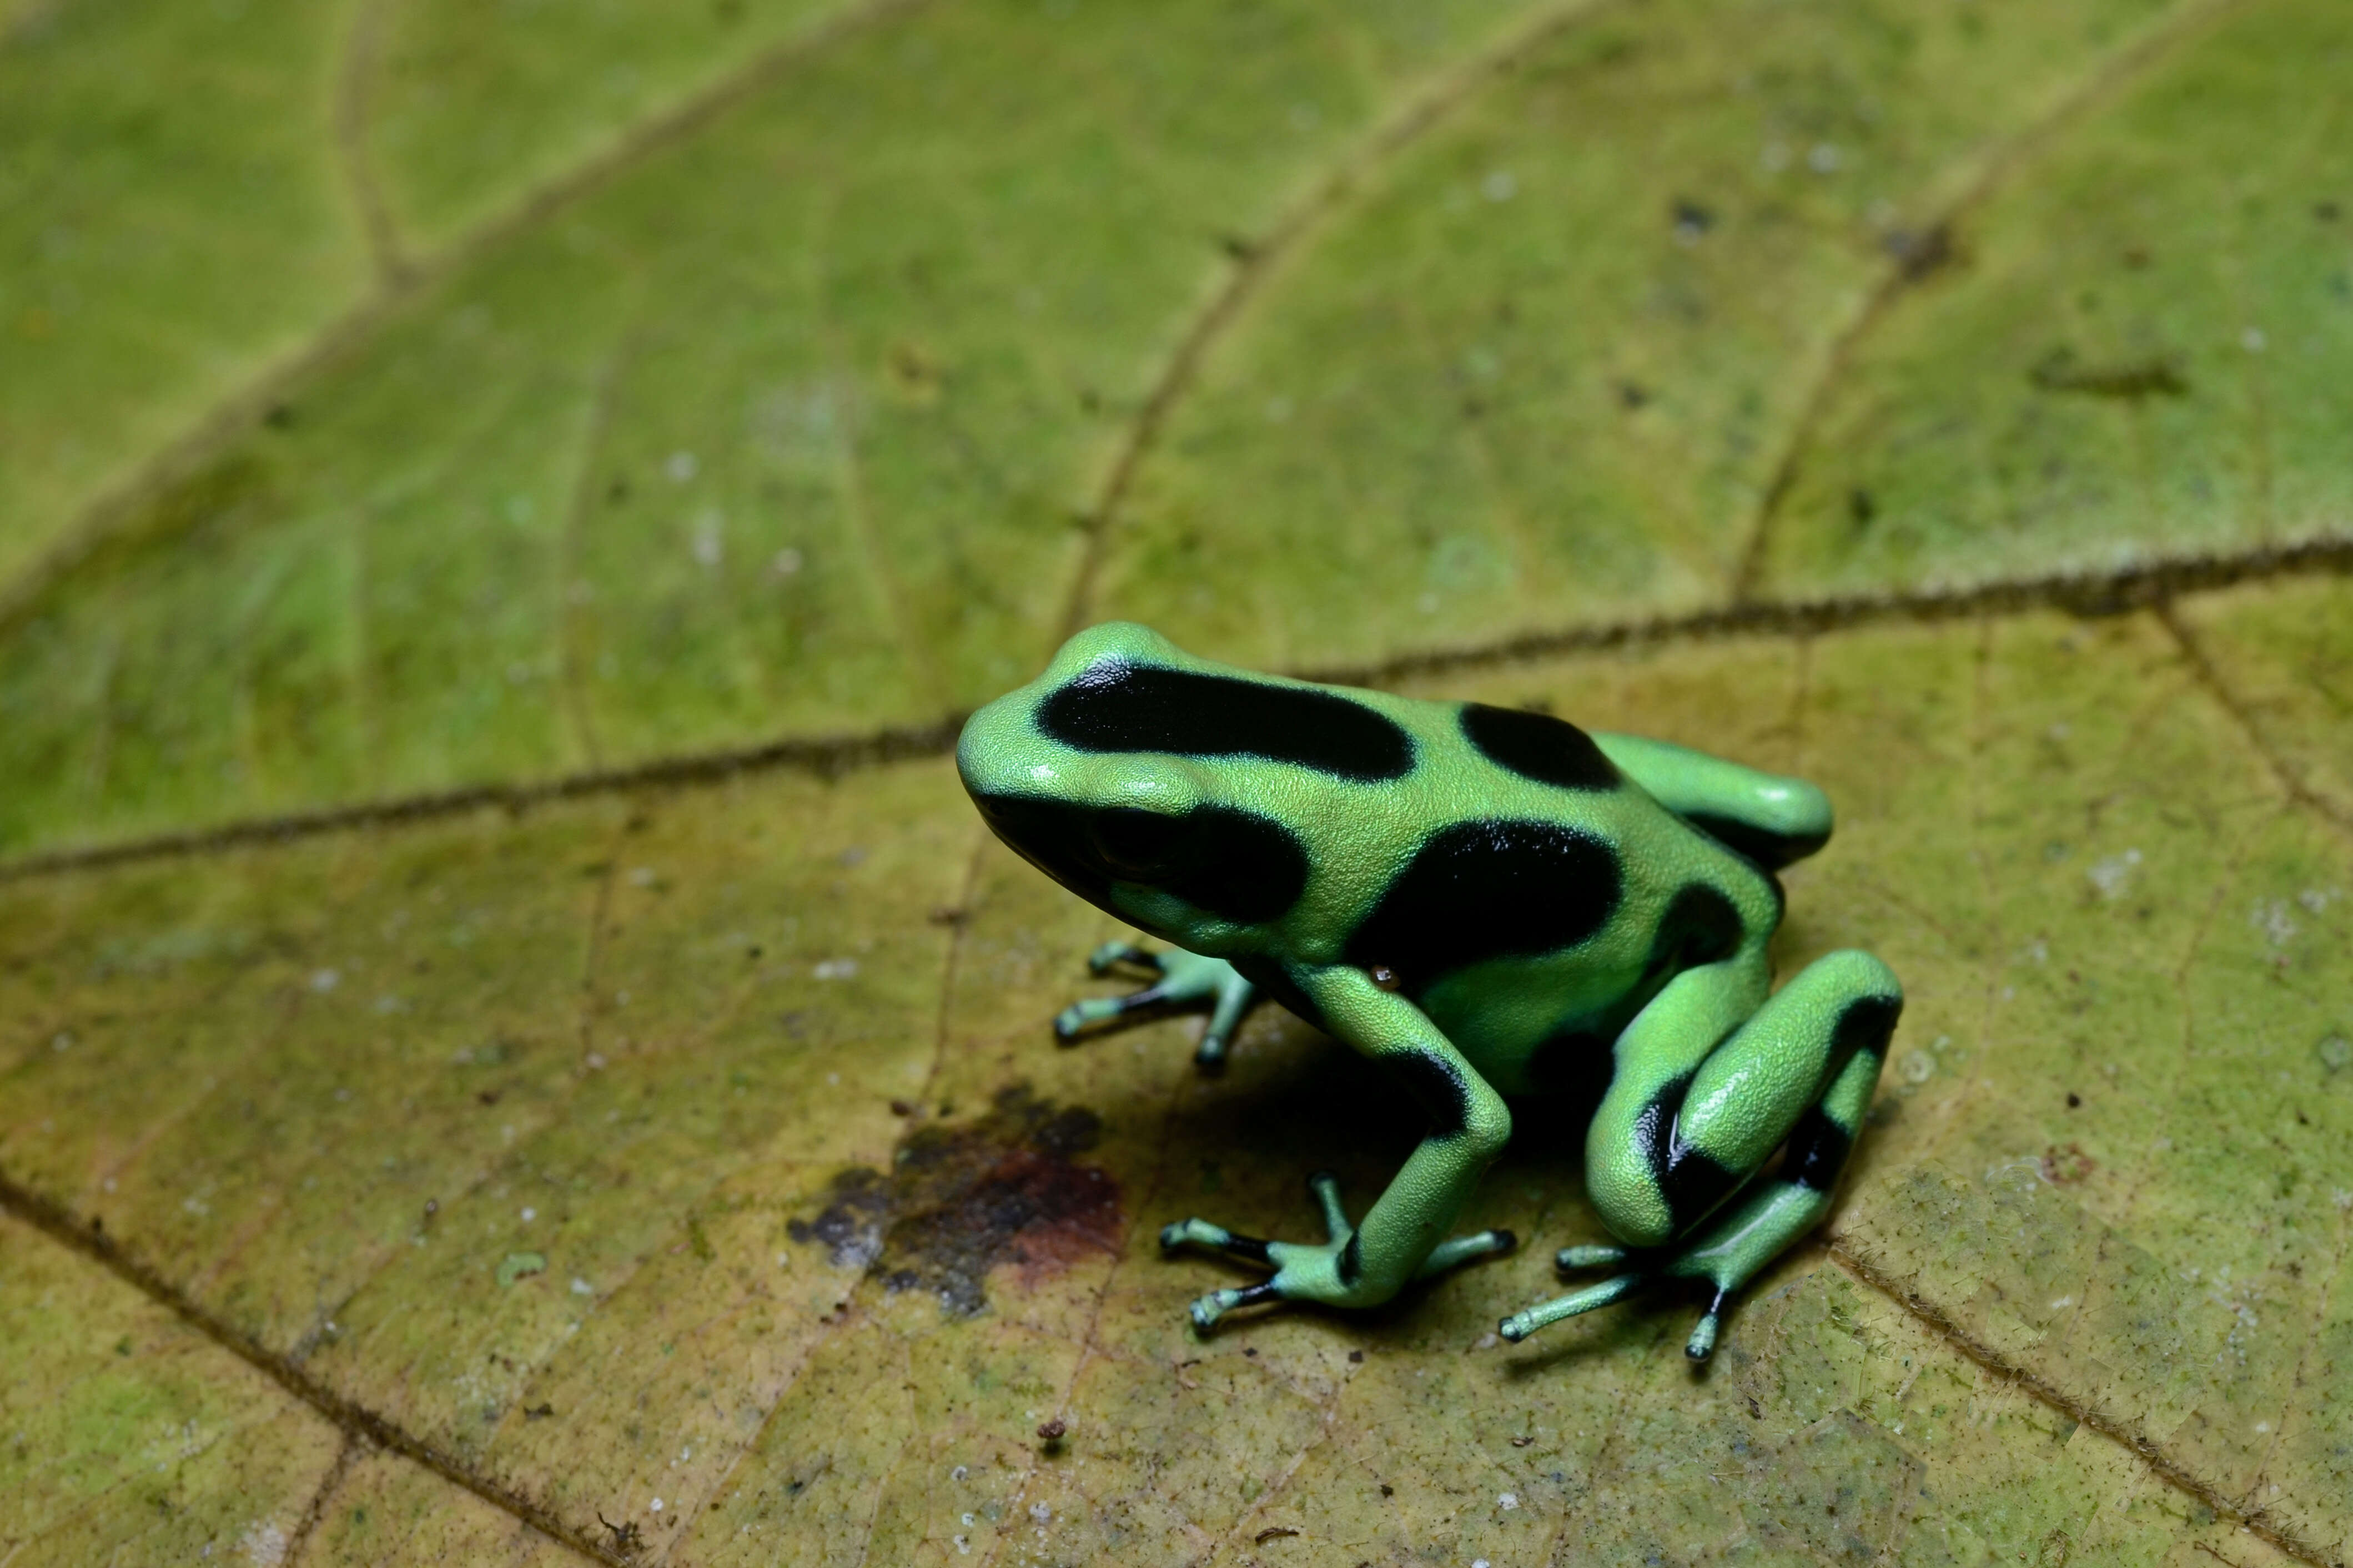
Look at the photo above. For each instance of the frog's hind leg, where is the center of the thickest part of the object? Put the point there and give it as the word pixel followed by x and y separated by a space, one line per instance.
pixel 1770 819
pixel 1673 1141
pixel 1185 979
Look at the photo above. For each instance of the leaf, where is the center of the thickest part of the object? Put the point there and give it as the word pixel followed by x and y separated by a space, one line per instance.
pixel 510 1018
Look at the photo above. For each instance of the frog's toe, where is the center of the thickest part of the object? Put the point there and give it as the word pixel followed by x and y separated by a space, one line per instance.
pixel 1217 1237
pixel 1206 1311
pixel 1112 955
pixel 1702 1343
pixel 1089 1012
pixel 1521 1324
pixel 1570 1258
pixel 1463 1250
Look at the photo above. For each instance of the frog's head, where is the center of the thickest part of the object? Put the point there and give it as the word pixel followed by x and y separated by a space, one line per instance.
pixel 1133 773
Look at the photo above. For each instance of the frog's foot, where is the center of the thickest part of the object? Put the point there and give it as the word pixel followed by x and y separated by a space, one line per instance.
pixel 1729 1255
pixel 1332 1272
pixel 1184 978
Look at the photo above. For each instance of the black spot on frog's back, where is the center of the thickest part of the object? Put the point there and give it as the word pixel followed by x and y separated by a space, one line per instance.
pixel 1120 707
pixel 1489 889
pixel 1537 746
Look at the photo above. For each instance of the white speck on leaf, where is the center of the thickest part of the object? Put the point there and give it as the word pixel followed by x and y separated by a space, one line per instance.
pixel 581 1287
pixel 836 969
pixel 2111 875
pixel 264 1545
pixel 2270 916
pixel 681 467
pixel 785 562
pixel 1040 1512
pixel 1500 186
pixel 1824 158
pixel 710 545
pixel 325 980
pixel 1508 1502
pixel 2253 341
pixel 656 1505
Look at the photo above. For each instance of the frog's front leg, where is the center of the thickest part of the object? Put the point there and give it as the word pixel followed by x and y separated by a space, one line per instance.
pixel 1697 1105
pixel 1402 1237
pixel 1185 979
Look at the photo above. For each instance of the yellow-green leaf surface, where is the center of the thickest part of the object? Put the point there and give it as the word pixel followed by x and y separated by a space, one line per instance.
pixel 514 1048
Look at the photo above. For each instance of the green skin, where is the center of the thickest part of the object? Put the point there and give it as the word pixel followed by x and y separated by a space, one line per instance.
pixel 1710 1071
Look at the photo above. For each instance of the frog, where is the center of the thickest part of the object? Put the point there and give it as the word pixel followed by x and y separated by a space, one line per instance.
pixel 1490 903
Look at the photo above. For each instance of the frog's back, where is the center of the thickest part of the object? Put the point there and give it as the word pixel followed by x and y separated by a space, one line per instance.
pixel 1539 896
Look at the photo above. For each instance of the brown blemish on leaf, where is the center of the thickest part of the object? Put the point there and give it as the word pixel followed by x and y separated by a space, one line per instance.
pixel 961 1201
pixel 2066 1163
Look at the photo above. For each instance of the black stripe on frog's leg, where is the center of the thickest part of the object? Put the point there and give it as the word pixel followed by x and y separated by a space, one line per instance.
pixel 1768 849
pixel 1690 1181
pixel 1489 889
pixel 1818 1143
pixel 1115 706
pixel 1437 1088
pixel 1866 1025
pixel 1350 1264
pixel 1538 746
pixel 1818 1149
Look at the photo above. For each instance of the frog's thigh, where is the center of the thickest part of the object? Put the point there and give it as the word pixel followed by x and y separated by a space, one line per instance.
pixel 1683 1127
pixel 1771 819
pixel 1652 1064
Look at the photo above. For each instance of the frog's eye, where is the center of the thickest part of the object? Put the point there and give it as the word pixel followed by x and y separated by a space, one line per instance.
pixel 1138 845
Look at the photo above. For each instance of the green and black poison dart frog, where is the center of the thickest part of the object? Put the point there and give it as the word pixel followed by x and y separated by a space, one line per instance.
pixel 1482 900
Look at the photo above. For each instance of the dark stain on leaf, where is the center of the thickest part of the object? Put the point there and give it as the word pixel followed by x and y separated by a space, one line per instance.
pixel 2060 371
pixel 1921 253
pixel 961 1201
